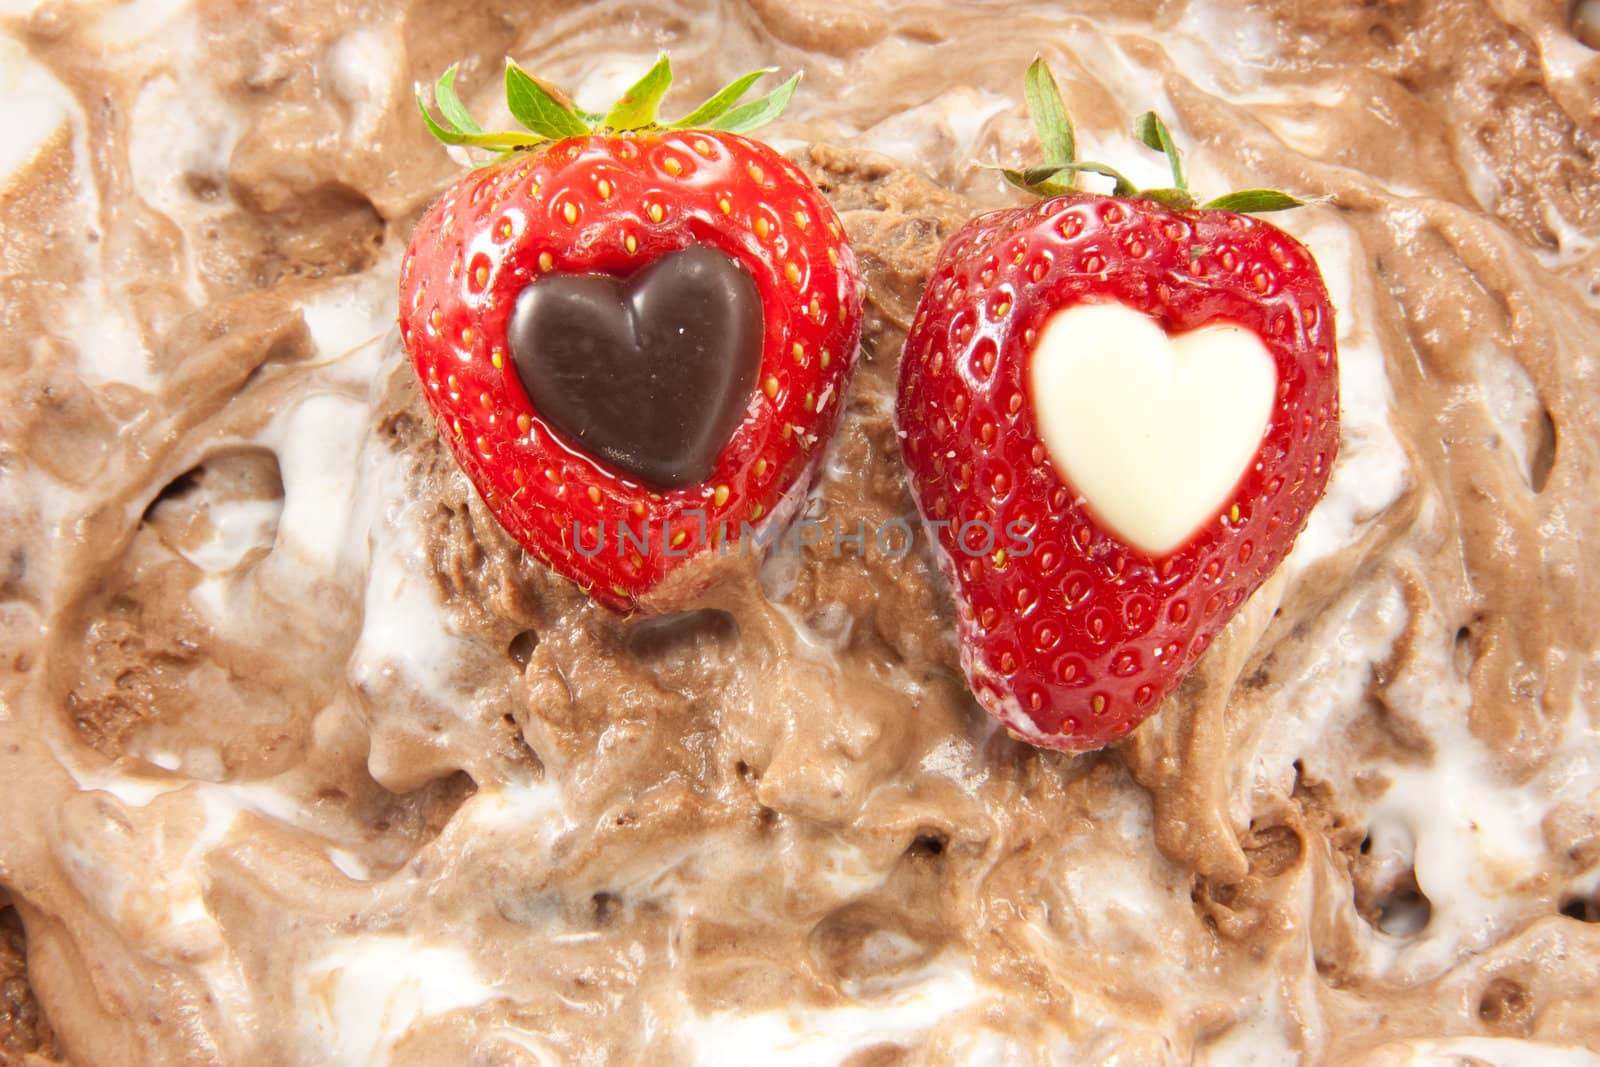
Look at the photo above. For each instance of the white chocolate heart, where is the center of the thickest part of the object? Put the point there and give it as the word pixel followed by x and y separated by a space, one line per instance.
pixel 1154 432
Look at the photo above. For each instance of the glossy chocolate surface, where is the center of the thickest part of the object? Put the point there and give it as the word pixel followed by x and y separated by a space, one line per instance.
pixel 651 373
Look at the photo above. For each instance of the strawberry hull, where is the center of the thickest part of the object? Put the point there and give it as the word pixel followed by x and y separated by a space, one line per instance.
pixel 1075 642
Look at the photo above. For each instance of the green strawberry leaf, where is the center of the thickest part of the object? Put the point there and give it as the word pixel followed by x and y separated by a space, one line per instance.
pixel 450 105
pixel 536 109
pixel 447 136
pixel 546 115
pixel 747 117
pixel 500 141
pixel 639 104
pixel 1031 175
pixel 1176 199
pixel 1058 174
pixel 1154 133
pixel 1123 186
pixel 719 104
pixel 1050 117
pixel 1047 179
pixel 1256 201
pixel 1040 187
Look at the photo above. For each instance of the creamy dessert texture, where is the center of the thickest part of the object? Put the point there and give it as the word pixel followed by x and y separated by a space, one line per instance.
pixel 302 761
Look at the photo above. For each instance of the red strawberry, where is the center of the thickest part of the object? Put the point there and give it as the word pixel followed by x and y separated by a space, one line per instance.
pixel 1017 373
pixel 679 394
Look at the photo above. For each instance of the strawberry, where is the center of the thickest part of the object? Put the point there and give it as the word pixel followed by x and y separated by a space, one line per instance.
pixel 634 335
pixel 1120 408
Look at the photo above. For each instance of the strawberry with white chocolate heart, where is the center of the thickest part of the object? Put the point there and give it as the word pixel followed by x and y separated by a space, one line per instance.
pixel 1140 396
pixel 634 335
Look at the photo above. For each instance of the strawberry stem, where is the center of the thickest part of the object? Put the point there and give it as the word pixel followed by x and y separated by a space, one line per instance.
pixel 1058 175
pixel 545 115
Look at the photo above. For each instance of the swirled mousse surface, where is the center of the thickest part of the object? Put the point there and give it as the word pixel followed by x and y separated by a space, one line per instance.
pixel 303 761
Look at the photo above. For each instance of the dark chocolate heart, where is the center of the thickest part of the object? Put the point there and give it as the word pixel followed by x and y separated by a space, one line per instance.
pixel 652 373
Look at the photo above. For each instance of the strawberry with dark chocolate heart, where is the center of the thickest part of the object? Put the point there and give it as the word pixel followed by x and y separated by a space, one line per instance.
pixel 634 335
pixel 1119 411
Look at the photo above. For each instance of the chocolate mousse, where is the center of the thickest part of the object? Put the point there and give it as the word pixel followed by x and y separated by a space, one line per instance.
pixel 304 761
